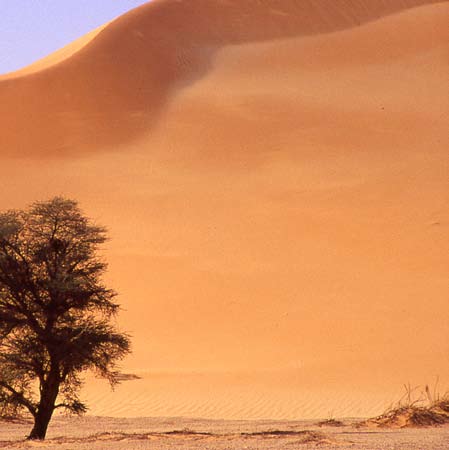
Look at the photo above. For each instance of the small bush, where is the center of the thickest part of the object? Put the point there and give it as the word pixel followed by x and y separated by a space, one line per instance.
pixel 414 411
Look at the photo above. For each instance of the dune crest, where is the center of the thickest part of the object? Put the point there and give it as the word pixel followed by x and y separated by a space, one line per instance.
pixel 111 90
pixel 57 56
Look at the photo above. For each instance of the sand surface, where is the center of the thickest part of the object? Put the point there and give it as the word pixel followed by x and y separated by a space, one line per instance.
pixel 102 433
pixel 275 179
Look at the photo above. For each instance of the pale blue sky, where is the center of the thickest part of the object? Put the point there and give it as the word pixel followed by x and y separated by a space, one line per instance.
pixel 32 29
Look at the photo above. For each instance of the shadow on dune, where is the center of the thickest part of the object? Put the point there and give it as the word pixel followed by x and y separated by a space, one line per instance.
pixel 112 91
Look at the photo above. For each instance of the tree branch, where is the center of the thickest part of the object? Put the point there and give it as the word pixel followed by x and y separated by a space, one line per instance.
pixel 20 398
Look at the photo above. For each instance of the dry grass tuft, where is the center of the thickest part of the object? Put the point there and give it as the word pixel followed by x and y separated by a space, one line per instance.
pixel 330 423
pixel 424 411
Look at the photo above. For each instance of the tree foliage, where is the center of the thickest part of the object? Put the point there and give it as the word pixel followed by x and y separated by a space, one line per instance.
pixel 55 311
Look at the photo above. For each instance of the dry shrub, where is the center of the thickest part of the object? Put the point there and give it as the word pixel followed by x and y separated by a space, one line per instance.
pixel 330 423
pixel 423 411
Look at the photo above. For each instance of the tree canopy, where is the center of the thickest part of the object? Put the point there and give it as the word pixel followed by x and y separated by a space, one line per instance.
pixel 55 311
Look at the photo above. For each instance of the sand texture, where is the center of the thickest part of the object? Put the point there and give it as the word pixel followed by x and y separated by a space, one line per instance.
pixel 275 178
pixel 94 433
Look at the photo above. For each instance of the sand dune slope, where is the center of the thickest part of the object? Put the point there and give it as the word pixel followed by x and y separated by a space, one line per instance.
pixel 119 78
pixel 275 176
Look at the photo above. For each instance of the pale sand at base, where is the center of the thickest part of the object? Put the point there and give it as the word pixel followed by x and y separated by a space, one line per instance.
pixel 103 433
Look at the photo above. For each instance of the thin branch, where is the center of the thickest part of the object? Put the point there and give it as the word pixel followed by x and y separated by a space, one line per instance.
pixel 20 398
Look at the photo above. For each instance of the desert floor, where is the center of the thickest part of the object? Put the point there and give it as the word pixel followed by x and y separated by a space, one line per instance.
pixel 95 433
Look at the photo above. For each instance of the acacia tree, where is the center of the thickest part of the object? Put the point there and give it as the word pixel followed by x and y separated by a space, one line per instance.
pixel 55 311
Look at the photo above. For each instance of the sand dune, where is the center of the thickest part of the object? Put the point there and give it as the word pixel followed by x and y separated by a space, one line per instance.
pixel 275 178
pixel 118 79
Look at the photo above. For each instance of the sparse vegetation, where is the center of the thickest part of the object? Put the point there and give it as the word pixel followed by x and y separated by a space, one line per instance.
pixel 417 408
pixel 330 423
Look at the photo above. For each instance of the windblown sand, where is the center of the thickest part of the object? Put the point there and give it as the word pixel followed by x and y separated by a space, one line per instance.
pixel 275 179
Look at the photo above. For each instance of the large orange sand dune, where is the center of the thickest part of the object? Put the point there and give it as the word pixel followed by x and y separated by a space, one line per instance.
pixel 275 178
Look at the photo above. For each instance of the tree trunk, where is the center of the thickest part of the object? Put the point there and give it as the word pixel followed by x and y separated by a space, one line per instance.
pixel 41 422
pixel 49 393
